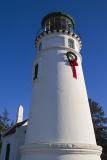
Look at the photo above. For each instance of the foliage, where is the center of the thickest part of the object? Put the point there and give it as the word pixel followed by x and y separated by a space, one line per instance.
pixel 99 123
pixel 5 124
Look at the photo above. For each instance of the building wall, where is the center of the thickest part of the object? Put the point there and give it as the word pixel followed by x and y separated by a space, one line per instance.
pixel 59 106
pixel 11 140
pixel 15 140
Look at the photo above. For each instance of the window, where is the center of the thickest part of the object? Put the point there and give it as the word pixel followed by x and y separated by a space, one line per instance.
pixel 7 152
pixel 63 23
pixel 52 24
pixel 58 23
pixel 71 43
pixel 35 72
pixel 40 46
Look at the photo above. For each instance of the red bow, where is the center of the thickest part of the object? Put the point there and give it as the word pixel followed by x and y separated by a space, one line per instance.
pixel 73 64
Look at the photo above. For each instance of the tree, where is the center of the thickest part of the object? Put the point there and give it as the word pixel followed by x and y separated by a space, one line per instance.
pixel 5 124
pixel 99 123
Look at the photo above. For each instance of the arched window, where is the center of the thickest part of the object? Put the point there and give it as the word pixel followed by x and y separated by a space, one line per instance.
pixel 35 72
pixel 71 43
pixel 40 46
pixel 7 152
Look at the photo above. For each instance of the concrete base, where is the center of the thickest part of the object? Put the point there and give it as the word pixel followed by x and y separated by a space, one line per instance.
pixel 60 151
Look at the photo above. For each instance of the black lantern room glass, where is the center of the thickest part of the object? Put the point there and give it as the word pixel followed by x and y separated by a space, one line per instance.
pixel 57 21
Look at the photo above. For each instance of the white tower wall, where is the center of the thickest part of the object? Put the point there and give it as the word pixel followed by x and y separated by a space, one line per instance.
pixel 60 125
pixel 59 106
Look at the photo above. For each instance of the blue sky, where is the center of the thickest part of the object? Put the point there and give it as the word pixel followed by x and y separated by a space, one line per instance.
pixel 20 20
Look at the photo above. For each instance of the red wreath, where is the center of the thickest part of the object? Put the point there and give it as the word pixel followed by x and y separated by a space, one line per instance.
pixel 72 58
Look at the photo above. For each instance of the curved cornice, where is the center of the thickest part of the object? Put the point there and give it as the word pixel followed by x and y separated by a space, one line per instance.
pixel 61 148
pixel 64 32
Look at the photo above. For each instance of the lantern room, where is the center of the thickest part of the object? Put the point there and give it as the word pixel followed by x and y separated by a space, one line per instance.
pixel 58 21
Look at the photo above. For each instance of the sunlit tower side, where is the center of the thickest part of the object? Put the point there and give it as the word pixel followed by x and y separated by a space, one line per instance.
pixel 60 125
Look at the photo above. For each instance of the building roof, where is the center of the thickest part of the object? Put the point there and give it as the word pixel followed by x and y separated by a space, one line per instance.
pixel 56 14
pixel 12 130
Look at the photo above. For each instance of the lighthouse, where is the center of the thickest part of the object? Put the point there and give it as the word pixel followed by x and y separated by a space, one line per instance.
pixel 60 125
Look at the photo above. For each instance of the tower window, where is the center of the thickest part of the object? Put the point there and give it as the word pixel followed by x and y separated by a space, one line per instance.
pixel 35 72
pixel 40 46
pixel 71 43
pixel 7 152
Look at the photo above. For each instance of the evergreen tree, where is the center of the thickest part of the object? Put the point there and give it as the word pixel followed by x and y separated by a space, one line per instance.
pixel 5 124
pixel 100 124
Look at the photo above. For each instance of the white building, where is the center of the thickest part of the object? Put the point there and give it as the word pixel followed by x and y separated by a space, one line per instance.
pixel 14 138
pixel 60 125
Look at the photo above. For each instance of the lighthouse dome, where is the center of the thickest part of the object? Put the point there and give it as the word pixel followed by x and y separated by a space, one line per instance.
pixel 57 21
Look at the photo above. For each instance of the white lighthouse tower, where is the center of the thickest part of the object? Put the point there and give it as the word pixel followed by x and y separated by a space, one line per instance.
pixel 60 125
